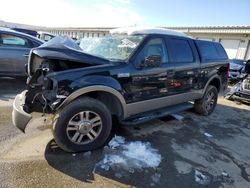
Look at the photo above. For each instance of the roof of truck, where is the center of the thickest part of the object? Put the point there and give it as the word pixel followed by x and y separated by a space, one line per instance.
pixel 146 30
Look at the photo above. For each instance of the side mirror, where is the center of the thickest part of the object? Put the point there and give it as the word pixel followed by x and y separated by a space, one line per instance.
pixel 152 61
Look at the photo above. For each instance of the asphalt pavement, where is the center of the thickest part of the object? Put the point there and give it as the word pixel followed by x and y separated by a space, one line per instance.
pixel 195 151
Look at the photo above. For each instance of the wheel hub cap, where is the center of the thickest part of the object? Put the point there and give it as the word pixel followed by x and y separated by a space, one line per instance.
pixel 84 127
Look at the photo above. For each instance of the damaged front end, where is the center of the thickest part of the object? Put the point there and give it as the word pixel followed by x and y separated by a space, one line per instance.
pixel 240 91
pixel 42 93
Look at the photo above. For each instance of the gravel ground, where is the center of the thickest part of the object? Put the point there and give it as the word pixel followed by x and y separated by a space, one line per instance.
pixel 195 151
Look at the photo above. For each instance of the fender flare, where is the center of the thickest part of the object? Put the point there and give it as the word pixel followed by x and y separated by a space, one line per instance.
pixel 209 81
pixel 88 89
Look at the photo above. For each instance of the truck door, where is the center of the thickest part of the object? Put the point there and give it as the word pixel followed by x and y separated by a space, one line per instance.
pixel 149 81
pixel 186 65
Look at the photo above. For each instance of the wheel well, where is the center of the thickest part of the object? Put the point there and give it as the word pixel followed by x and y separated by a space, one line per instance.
pixel 109 100
pixel 215 82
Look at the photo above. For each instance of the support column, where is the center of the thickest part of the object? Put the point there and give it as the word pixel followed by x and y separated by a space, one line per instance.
pixel 242 50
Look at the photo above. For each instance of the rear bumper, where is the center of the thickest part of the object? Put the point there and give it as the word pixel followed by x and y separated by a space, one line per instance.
pixel 20 118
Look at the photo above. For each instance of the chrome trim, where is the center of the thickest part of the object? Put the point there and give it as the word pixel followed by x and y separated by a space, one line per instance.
pixel 153 104
pixel 137 107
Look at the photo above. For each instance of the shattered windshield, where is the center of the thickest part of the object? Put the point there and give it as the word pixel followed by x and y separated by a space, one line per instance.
pixel 113 47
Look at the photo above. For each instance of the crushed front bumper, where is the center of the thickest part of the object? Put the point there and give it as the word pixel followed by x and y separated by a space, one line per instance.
pixel 20 118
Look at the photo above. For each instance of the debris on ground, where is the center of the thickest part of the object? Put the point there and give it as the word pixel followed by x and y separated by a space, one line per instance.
pixel 225 174
pixel 178 117
pixel 208 135
pixel 201 178
pixel 225 177
pixel 73 154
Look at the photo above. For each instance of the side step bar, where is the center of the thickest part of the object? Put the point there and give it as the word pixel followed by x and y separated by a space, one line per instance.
pixel 148 116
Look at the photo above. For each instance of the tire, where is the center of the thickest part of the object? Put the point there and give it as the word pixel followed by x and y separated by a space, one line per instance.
pixel 83 125
pixel 206 105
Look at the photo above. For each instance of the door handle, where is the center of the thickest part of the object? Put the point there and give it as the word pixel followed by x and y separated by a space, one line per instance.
pixel 25 55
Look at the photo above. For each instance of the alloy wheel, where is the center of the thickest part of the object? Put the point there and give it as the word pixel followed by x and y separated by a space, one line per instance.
pixel 210 101
pixel 84 127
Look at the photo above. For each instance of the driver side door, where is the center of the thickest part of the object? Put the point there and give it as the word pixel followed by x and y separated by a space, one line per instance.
pixel 149 81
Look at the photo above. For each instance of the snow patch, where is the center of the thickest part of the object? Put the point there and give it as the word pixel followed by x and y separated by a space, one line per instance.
pixel 201 178
pixel 129 156
pixel 142 153
pixel 116 141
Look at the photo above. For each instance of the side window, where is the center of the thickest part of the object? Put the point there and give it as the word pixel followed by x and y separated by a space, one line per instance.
pixel 210 51
pixel 221 51
pixel 180 51
pixel 15 41
pixel 153 47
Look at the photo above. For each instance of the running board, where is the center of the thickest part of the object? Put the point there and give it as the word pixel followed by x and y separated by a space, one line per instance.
pixel 148 116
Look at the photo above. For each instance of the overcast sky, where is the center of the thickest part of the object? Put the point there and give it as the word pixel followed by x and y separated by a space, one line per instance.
pixel 106 13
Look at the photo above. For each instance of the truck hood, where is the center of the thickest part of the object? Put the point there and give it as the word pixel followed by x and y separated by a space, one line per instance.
pixel 64 48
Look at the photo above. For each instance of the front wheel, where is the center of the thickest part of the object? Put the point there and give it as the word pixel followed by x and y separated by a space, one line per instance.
pixel 206 105
pixel 85 124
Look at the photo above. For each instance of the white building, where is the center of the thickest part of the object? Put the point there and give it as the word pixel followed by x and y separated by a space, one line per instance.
pixel 235 39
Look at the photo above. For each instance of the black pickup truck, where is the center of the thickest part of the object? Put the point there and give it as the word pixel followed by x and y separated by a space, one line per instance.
pixel 132 75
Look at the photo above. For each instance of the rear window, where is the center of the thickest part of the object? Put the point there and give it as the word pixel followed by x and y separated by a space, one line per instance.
pixel 210 51
pixel 180 51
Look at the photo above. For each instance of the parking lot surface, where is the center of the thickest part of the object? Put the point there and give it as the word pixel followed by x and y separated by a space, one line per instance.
pixel 195 151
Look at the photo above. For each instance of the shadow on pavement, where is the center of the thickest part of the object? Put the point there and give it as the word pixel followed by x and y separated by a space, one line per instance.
pixel 227 122
pixel 77 165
